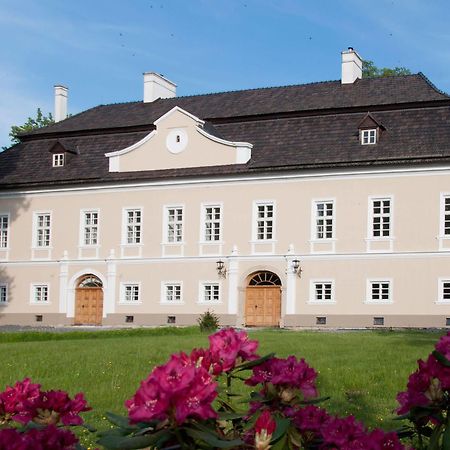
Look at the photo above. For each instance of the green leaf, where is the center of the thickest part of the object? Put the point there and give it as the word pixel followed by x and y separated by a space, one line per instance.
pixel 446 438
pixel 280 430
pixel 131 442
pixel 120 421
pixel 225 415
pixel 434 439
pixel 441 358
pixel 281 444
pixel 212 439
pixel 250 364
pixel 314 401
pixel 88 427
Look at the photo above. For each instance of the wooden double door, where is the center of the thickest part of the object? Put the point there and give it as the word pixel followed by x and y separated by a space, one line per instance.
pixel 263 306
pixel 88 306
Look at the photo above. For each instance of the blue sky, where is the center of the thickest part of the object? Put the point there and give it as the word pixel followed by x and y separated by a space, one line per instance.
pixel 99 48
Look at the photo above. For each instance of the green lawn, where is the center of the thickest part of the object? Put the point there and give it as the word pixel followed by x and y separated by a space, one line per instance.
pixel 361 371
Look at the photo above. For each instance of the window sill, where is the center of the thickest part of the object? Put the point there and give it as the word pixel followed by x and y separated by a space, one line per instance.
pixel 321 302
pixel 94 246
pixel 211 242
pixel 442 302
pixel 212 302
pixel 374 302
pixel 2 304
pixel 264 241
pixel 121 303
pixel 173 243
pixel 42 248
pixel 40 304
pixel 141 244
pixel 171 303
pixel 379 239
pixel 319 241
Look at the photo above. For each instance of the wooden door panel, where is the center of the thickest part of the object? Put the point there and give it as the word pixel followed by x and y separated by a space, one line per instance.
pixel 263 306
pixel 89 306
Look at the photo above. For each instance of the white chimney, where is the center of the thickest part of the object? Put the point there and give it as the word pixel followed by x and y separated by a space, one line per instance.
pixel 351 66
pixel 156 86
pixel 61 93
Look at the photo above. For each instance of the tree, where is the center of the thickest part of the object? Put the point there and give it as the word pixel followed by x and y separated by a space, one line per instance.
pixel 30 125
pixel 371 70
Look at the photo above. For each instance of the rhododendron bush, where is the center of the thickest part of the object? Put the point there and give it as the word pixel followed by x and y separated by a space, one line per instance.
pixel 191 402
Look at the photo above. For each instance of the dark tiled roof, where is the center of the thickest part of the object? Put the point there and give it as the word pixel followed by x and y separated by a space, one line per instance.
pixel 411 135
pixel 256 102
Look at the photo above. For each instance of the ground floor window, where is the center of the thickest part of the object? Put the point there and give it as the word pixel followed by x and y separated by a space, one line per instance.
pixel 210 293
pixel 39 293
pixel 172 293
pixel 379 291
pixel 3 293
pixel 322 291
pixel 444 295
pixel 130 293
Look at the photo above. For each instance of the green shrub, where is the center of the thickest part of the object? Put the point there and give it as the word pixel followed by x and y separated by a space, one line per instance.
pixel 208 322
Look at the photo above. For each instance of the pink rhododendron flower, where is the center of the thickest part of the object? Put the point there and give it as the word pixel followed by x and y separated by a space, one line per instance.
pixel 50 437
pixel 228 345
pixel 11 439
pixel 379 440
pixel 443 345
pixel 344 433
pixel 310 418
pixel 287 374
pixel 17 402
pixel 180 389
pixel 264 428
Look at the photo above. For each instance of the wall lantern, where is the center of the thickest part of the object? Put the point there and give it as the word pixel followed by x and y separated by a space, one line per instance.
pixel 221 271
pixel 296 267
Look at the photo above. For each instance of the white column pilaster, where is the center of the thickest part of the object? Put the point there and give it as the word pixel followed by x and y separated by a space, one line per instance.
pixel 291 279
pixel 233 281
pixel 110 294
pixel 63 275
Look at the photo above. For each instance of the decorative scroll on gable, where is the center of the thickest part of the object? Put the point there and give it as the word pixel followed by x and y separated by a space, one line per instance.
pixel 180 140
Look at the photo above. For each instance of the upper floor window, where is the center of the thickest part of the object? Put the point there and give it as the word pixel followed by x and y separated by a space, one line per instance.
pixel 381 217
pixel 174 220
pixel 130 293
pixel 133 226
pixel 4 228
pixel 43 228
pixel 58 159
pixel 90 227
pixel 264 221
pixel 39 293
pixel 446 216
pixel 324 218
pixel 369 136
pixel 212 223
pixel 3 293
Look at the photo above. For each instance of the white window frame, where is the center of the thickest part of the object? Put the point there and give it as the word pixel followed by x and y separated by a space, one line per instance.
pixel 125 224
pixel 33 288
pixel 123 293
pixel 202 292
pixel 4 286
pixel 256 205
pixel 164 286
pixel 59 159
pixel 5 232
pixel 203 221
pixel 82 240
pixel 315 217
pixel 369 288
pixel 166 224
pixel 36 229
pixel 440 299
pixel 369 133
pixel 370 224
pixel 312 292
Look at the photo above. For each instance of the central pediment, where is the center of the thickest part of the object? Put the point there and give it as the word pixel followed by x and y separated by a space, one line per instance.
pixel 179 140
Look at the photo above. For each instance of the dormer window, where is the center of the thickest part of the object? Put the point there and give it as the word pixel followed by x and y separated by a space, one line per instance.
pixel 369 136
pixel 58 159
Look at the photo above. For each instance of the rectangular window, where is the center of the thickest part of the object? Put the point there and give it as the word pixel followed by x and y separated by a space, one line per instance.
pixel 212 218
pixel 368 137
pixel 444 291
pixel 381 217
pixel 40 293
pixel 43 223
pixel 3 294
pixel 264 221
pixel 211 292
pixel 90 228
pixel 446 216
pixel 323 291
pixel 174 217
pixel 131 293
pixel 4 225
pixel 58 160
pixel 172 293
pixel 324 218
pixel 380 291
pixel 133 219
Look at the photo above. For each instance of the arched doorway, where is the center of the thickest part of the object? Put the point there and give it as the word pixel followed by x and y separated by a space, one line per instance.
pixel 88 300
pixel 263 300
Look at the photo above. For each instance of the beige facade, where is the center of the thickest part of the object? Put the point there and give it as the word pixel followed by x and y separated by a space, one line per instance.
pixel 340 274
